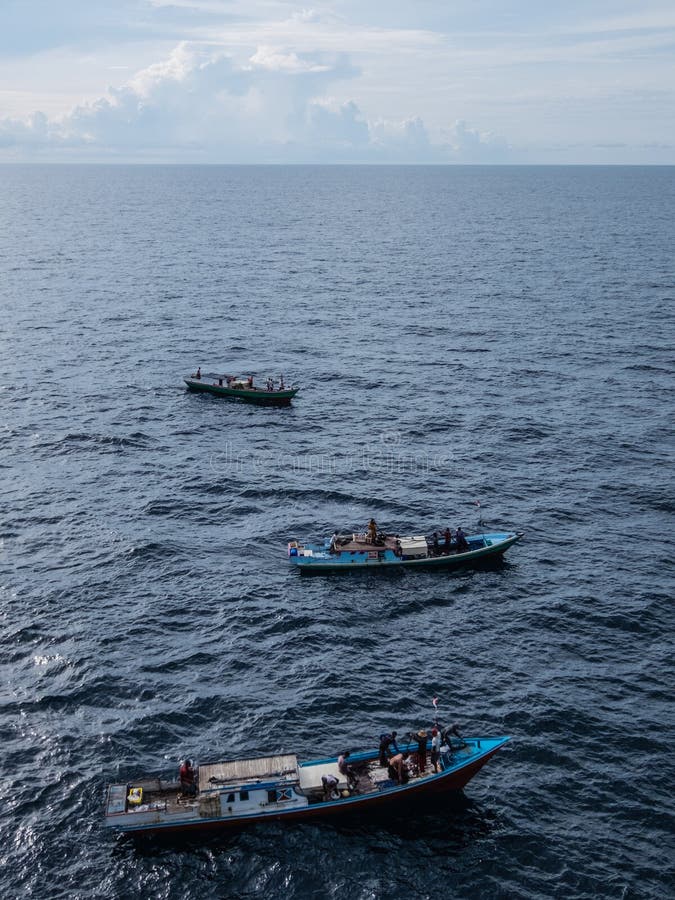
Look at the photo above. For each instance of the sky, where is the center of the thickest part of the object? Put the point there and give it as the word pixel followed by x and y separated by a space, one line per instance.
pixel 350 81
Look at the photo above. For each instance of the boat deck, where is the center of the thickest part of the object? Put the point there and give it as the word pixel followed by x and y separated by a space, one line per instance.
pixel 371 777
pixel 360 543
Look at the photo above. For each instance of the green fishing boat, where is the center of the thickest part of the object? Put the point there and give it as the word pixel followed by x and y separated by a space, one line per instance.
pixel 275 392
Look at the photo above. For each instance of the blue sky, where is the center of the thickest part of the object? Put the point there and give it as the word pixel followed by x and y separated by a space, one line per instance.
pixel 228 81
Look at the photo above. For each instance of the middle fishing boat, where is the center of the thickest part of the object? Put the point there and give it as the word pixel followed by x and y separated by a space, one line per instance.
pixel 374 550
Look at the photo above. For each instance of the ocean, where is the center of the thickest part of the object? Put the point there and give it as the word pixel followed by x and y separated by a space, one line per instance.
pixel 459 334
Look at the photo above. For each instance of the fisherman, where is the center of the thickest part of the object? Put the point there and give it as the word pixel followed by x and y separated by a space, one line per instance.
pixel 281 382
pixel 421 738
pixel 446 746
pixel 186 776
pixel 199 372
pixel 386 740
pixel 462 544
pixel 372 531
pixel 435 748
pixel 447 534
pixel 398 770
pixel 249 381
pixel 435 545
pixel 452 729
pixel 346 769
pixel 330 787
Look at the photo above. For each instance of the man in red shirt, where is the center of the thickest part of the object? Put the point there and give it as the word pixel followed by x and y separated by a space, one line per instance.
pixel 186 775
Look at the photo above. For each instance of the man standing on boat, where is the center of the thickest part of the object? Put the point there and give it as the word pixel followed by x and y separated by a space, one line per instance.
pixel 435 748
pixel 345 769
pixel 186 775
pixel 372 531
pixel 460 537
pixel 386 740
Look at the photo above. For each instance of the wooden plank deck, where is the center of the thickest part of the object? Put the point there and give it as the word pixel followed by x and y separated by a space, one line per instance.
pixel 214 775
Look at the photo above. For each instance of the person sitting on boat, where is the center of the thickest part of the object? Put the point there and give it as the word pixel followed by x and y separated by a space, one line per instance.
pixel 186 776
pixel 462 544
pixel 386 741
pixel 198 373
pixel 330 787
pixel 346 769
pixel 435 547
pixel 372 531
pixel 249 381
pixel 447 535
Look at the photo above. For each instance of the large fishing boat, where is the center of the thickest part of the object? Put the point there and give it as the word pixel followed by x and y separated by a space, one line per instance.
pixel 379 552
pixel 234 793
pixel 275 393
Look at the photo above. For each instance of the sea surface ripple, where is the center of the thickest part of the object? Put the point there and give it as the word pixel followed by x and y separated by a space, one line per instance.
pixel 459 334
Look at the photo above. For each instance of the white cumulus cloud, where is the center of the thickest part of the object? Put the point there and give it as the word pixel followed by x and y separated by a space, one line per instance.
pixel 199 104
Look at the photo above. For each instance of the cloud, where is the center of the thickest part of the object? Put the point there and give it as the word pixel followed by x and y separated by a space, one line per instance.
pixel 330 124
pixel 401 135
pixel 467 145
pixel 34 132
pixel 290 63
pixel 198 104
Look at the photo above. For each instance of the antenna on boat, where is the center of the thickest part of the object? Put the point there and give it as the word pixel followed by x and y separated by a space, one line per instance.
pixel 481 523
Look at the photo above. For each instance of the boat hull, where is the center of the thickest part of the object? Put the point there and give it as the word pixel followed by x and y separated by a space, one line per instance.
pixel 322 562
pixel 256 396
pixel 452 780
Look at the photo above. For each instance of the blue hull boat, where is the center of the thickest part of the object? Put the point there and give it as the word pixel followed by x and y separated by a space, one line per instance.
pixel 348 553
pixel 236 793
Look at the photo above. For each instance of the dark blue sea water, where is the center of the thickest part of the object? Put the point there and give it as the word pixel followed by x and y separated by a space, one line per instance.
pixel 460 334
